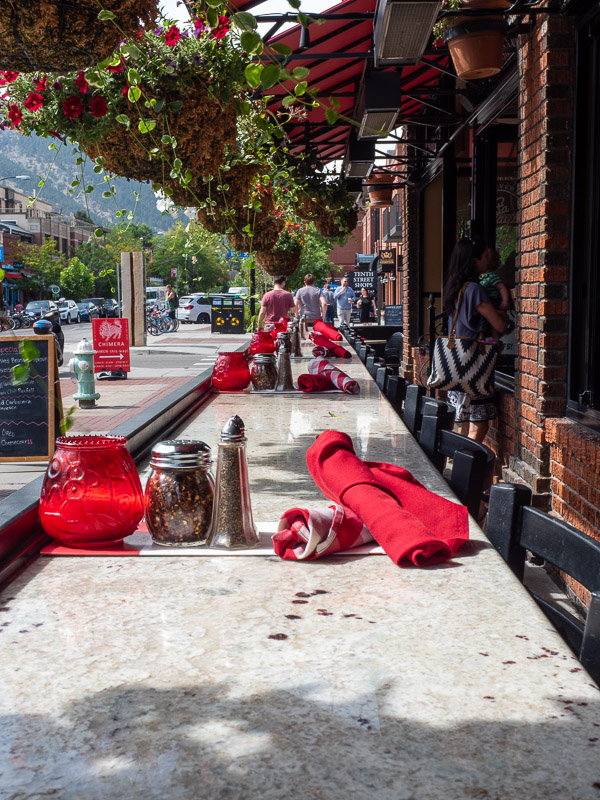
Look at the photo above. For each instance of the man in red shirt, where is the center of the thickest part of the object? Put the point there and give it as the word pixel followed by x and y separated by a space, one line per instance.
pixel 275 304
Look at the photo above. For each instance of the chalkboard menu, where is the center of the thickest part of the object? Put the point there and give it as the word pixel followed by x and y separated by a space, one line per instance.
pixel 30 413
pixel 393 315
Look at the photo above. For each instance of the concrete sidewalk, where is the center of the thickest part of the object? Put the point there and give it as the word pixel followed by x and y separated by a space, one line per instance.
pixel 120 400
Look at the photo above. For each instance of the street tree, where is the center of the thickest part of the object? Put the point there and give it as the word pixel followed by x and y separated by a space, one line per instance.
pixel 42 263
pixel 76 280
pixel 199 257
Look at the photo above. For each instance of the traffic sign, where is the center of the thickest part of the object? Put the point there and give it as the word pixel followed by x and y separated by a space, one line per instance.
pixel 173 272
pixel 54 288
pixel 111 341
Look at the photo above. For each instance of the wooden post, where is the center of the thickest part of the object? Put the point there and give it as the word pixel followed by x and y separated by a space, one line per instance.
pixel 133 284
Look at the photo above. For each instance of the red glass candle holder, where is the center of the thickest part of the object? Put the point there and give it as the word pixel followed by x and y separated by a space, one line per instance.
pixel 262 342
pixel 277 327
pixel 91 494
pixel 231 372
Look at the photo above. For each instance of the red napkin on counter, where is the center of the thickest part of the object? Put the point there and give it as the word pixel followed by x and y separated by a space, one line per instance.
pixel 331 348
pixel 320 366
pixel 328 330
pixel 411 523
pixel 314 383
pixel 309 533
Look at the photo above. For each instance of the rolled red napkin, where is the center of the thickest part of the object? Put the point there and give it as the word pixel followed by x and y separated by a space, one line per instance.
pixel 332 348
pixel 328 330
pixel 320 366
pixel 309 533
pixel 411 523
pixel 315 383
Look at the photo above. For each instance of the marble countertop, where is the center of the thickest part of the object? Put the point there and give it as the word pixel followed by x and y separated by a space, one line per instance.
pixel 226 678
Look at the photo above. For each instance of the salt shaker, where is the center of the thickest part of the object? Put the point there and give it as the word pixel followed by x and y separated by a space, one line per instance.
pixel 284 364
pixel 296 346
pixel 233 527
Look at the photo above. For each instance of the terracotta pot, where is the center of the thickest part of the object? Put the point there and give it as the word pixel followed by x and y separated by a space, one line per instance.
pixel 381 197
pixel 476 47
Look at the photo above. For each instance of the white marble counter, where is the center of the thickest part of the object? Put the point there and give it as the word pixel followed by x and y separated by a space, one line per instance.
pixel 227 678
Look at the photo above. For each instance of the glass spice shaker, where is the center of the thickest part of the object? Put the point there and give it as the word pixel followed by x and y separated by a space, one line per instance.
pixel 284 364
pixel 180 493
pixel 233 527
pixel 296 344
pixel 264 372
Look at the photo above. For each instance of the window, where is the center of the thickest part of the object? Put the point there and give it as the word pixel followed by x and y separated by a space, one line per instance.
pixel 583 401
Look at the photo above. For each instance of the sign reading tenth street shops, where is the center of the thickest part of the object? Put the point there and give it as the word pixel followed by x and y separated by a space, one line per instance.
pixel 359 278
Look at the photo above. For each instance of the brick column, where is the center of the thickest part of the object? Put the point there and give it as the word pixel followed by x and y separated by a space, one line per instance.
pixel 545 134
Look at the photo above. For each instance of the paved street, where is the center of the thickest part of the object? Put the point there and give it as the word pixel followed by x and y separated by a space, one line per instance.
pixel 164 364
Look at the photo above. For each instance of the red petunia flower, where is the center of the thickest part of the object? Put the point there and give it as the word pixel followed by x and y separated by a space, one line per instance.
pixel 34 101
pixel 41 84
pixel 125 88
pixel 81 82
pixel 98 106
pixel 72 107
pixel 222 28
pixel 11 76
pixel 172 36
pixel 119 68
pixel 15 115
pixel 3 80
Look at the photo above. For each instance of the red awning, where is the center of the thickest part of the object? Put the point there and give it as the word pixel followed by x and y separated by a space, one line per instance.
pixel 8 274
pixel 337 56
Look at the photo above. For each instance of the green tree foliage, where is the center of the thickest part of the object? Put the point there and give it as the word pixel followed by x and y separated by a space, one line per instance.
pixel 42 262
pixel 84 216
pixel 102 256
pixel 76 280
pixel 199 256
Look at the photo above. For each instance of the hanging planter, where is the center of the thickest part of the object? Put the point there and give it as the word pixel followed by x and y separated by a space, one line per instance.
pixel 330 208
pixel 380 196
pixel 279 262
pixel 476 44
pixel 65 35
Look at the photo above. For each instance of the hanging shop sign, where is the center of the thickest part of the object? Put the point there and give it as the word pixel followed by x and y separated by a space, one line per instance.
pixel 387 261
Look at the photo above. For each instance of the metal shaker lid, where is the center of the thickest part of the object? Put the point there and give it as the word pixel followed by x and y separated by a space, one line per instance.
pixel 264 358
pixel 180 454
pixel 234 430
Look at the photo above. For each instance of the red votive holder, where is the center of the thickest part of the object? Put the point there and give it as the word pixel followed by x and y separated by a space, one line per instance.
pixel 262 342
pixel 231 372
pixel 91 494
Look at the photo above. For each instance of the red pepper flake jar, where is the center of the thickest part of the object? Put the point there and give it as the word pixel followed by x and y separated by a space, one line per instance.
pixel 180 493
pixel 231 372
pixel 91 494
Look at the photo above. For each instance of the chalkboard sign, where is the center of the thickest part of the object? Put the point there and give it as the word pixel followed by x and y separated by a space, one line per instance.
pixel 30 414
pixel 393 315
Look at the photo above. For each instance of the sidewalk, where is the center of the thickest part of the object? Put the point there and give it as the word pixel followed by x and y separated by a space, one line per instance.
pixel 120 400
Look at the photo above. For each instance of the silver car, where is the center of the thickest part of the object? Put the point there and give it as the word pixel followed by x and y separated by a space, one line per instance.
pixel 68 312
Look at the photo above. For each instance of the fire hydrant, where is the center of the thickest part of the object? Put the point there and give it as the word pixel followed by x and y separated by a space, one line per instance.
pixel 83 367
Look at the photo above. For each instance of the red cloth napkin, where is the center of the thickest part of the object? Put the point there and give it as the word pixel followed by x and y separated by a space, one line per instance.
pixel 411 523
pixel 320 366
pixel 328 330
pixel 314 383
pixel 309 533
pixel 332 349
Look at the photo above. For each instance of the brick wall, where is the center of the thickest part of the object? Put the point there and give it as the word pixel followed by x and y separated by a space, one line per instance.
pixel 545 123
pixel 410 278
pixel 343 256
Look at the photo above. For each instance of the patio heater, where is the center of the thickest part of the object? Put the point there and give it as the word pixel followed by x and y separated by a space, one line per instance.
pixel 402 30
pixel 378 104
pixel 359 158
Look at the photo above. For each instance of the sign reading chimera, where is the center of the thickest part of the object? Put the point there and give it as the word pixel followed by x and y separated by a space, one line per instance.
pixel 111 340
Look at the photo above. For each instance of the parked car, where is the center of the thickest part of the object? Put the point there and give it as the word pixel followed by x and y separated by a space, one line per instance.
pixel 98 302
pixel 38 308
pixel 87 311
pixel 68 311
pixel 194 308
pixel 112 308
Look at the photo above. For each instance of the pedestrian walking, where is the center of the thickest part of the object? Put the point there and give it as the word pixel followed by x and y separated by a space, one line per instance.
pixel 344 298
pixel 275 304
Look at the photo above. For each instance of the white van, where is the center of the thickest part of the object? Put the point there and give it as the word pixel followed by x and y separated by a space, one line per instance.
pixel 156 296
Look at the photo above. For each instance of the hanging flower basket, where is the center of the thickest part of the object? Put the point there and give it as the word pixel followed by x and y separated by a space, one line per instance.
pixel 476 44
pixel 380 196
pixel 65 35
pixel 330 208
pixel 202 127
pixel 279 262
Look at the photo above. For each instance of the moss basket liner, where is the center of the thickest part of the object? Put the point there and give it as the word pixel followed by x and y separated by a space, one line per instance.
pixel 203 127
pixel 65 35
pixel 279 262
pixel 264 225
pixel 329 222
